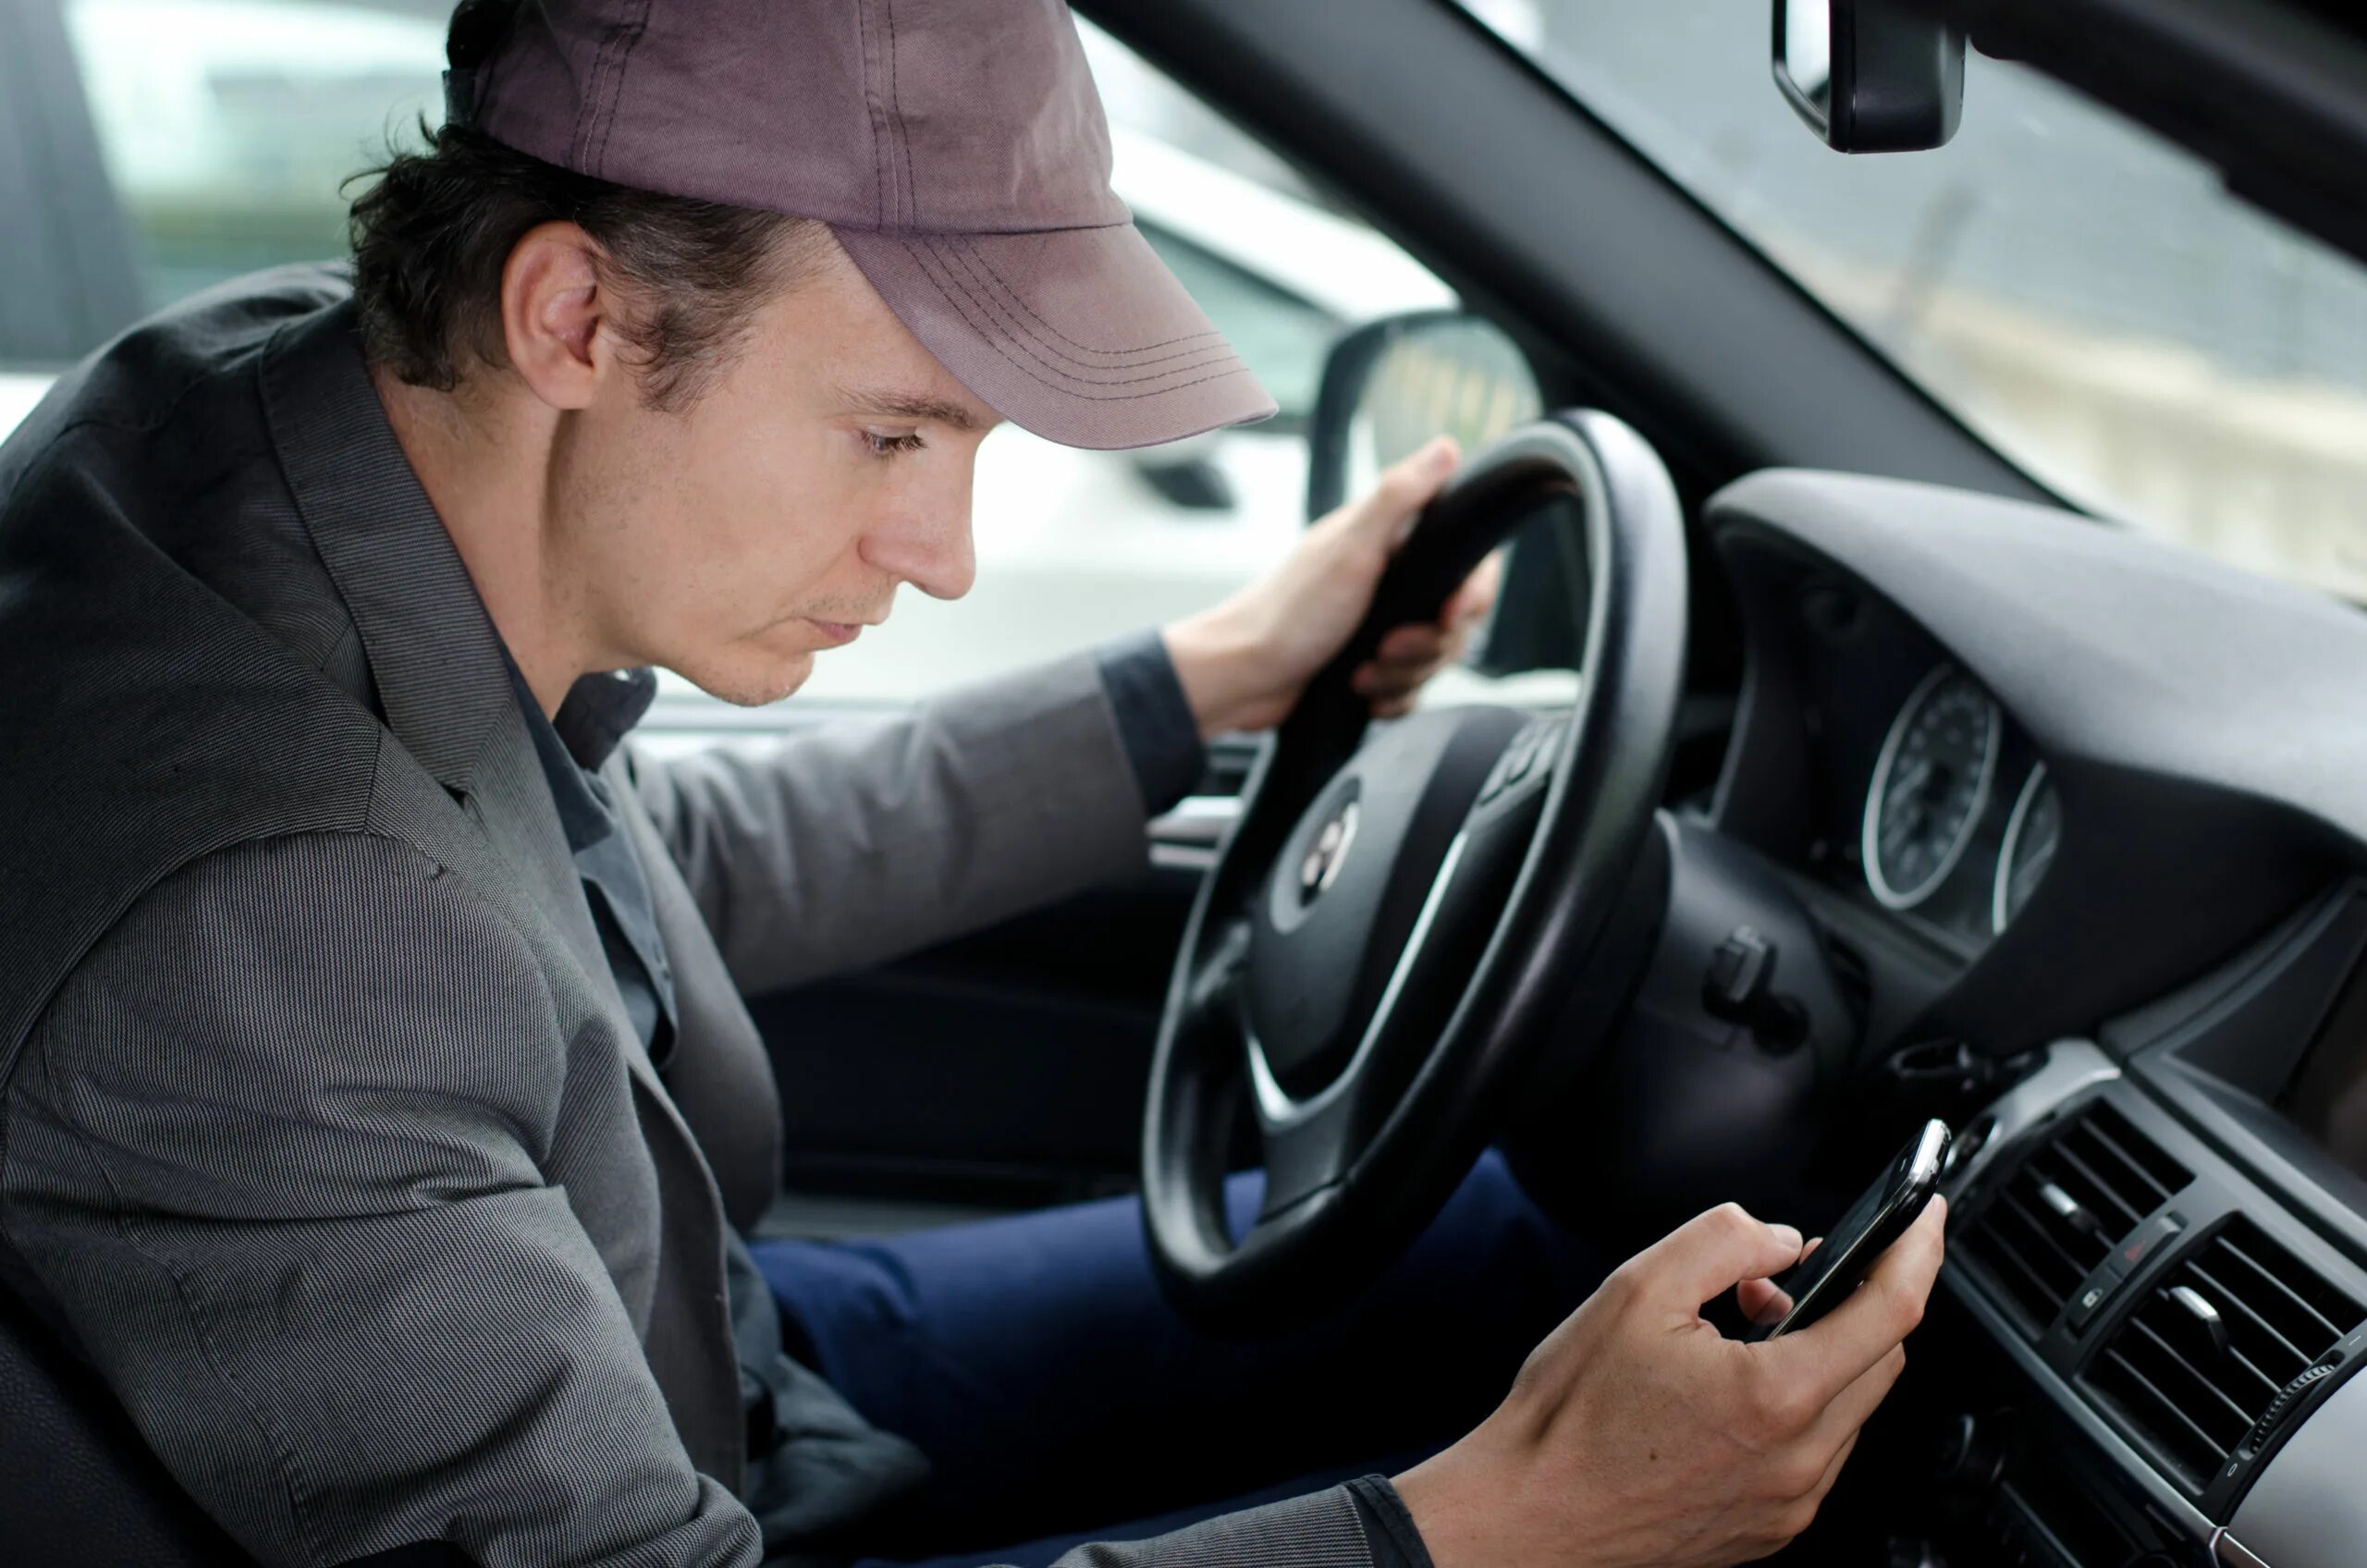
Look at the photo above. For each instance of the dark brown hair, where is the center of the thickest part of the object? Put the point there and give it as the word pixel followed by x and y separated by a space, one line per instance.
pixel 433 232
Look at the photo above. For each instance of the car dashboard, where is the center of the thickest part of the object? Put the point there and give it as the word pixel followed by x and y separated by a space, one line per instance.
pixel 2082 812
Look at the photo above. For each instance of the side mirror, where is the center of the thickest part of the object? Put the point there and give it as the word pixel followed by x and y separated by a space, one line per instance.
pixel 1387 388
pixel 1868 76
pixel 1392 384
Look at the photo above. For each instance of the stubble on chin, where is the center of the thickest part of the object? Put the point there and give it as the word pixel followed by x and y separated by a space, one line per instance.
pixel 761 681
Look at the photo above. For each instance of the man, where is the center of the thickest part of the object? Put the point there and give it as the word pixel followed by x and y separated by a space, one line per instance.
pixel 380 1115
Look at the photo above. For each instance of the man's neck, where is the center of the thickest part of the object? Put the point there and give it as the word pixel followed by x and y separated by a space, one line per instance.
pixel 486 470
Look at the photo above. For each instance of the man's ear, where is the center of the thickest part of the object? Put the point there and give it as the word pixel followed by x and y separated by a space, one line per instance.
pixel 552 309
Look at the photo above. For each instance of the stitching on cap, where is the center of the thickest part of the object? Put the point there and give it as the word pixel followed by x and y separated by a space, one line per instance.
pixel 992 342
pixel 896 105
pixel 1021 305
pixel 630 36
pixel 1215 354
pixel 587 111
pixel 871 114
pixel 1018 306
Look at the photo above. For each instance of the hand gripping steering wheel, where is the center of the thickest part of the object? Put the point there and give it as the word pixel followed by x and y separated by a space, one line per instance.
pixel 1396 918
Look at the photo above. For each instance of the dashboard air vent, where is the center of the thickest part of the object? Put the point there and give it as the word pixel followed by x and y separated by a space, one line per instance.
pixel 2068 1203
pixel 2214 1341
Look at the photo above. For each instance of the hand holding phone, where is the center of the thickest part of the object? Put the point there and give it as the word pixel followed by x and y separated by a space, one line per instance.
pixel 1824 1280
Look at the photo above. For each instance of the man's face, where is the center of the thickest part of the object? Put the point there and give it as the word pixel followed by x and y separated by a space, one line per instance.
pixel 775 514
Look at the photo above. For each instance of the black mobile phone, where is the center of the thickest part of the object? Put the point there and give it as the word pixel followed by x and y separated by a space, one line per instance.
pixel 1824 1280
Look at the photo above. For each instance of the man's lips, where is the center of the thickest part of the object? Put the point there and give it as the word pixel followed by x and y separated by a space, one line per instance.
pixel 838 634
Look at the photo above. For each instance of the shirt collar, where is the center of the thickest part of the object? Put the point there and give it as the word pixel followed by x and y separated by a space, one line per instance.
pixel 600 710
pixel 583 816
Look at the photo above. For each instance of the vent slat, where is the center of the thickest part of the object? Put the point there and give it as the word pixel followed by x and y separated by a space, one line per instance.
pixel 2050 1236
pixel 2262 1383
pixel 2125 1214
pixel 2318 1322
pixel 2226 1299
pixel 2164 1174
pixel 2032 1289
pixel 2145 1178
pixel 2187 1373
pixel 2180 1421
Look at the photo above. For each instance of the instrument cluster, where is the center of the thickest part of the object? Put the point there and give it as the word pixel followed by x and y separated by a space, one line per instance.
pixel 1961 821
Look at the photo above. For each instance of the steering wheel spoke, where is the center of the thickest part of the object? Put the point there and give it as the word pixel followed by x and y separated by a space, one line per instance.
pixel 1214 987
pixel 1310 1145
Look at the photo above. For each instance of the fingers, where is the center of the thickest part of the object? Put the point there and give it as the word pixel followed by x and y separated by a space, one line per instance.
pixel 1409 657
pixel 1833 1471
pixel 1712 1254
pixel 1410 654
pixel 1405 488
pixel 1760 1301
pixel 1855 1337
pixel 1470 604
pixel 1854 1405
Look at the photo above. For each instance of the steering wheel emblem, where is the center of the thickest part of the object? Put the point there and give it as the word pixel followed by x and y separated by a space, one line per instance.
pixel 1325 856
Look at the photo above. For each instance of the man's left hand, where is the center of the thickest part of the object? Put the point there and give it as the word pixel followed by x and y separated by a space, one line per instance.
pixel 1245 662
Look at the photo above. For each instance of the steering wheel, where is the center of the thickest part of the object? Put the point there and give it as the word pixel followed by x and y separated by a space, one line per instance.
pixel 1396 916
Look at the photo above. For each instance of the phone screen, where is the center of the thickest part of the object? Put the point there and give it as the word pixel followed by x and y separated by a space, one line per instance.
pixel 1882 1214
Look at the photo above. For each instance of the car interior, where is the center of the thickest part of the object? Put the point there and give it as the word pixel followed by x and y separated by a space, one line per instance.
pixel 1927 684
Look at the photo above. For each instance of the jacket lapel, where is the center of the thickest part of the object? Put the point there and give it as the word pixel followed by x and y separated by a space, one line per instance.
pixel 432 649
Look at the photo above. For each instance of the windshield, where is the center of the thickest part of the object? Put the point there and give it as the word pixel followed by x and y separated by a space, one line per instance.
pixel 2085 295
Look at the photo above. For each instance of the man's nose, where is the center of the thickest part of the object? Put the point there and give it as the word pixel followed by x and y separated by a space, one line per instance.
pixel 929 548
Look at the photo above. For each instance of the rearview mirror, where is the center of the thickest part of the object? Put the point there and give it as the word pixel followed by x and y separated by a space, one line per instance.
pixel 1868 77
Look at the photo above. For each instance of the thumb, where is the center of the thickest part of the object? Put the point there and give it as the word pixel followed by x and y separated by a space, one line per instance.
pixel 1712 1253
pixel 1405 487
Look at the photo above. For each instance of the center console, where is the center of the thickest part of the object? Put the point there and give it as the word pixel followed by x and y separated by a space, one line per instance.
pixel 2159 1235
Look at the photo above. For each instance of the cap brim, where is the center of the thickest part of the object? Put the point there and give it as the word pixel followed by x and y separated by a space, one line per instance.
pixel 1079 334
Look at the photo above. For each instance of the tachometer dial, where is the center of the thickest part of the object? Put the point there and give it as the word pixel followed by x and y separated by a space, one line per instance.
pixel 2031 835
pixel 1929 786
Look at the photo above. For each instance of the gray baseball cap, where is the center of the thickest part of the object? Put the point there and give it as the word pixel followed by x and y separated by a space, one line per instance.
pixel 956 148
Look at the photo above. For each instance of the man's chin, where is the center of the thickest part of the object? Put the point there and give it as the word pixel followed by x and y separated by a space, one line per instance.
pixel 756 682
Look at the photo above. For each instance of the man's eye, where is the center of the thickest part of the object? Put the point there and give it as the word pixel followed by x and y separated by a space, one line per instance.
pixel 893 446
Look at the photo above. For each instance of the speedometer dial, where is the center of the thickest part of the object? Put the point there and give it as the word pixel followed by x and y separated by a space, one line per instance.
pixel 1929 786
pixel 2031 835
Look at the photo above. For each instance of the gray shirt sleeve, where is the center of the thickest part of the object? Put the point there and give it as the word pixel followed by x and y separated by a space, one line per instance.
pixel 274 1152
pixel 856 844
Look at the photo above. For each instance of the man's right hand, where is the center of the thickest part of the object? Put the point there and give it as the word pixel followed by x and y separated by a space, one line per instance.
pixel 1637 1435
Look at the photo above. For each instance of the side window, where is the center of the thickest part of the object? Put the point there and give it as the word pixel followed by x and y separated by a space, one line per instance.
pixel 227 126
pixel 151 148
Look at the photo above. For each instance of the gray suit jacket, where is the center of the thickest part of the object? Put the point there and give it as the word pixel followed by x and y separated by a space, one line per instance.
pixel 323 1130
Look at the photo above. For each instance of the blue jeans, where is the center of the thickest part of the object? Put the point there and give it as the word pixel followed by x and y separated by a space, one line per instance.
pixel 1061 1400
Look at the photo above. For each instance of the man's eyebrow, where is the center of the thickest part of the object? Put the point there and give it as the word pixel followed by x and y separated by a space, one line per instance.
pixel 912 405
